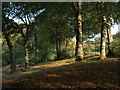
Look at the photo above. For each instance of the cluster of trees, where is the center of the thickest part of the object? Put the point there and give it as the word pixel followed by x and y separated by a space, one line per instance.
pixel 47 29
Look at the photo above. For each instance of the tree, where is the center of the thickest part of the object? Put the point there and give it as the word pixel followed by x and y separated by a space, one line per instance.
pixel 103 31
pixel 110 39
pixel 9 27
pixel 79 34
pixel 104 11
pixel 114 7
pixel 56 24
pixel 26 12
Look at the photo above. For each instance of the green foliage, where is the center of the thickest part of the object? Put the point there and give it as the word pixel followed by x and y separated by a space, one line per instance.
pixel 116 46
pixel 5 54
pixel 55 23
pixel 91 20
pixel 63 54
pixel 55 27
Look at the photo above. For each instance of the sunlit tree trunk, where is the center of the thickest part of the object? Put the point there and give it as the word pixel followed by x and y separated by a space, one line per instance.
pixel 26 48
pixel 12 61
pixel 103 38
pixel 26 55
pixel 25 31
pixel 79 42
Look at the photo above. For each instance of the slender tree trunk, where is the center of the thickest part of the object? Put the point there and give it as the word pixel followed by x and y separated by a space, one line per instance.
pixel 79 42
pixel 36 49
pixel 60 46
pixel 12 61
pixel 109 38
pixel 26 56
pixel 103 39
pixel 66 44
pixel 57 50
pixel 26 36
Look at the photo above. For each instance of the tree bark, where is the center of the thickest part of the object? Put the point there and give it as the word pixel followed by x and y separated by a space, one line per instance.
pixel 57 50
pixel 79 37
pixel 26 56
pixel 60 46
pixel 66 44
pixel 103 39
pixel 109 38
pixel 27 34
pixel 12 61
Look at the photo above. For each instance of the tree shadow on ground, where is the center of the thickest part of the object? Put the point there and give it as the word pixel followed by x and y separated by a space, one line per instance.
pixel 91 75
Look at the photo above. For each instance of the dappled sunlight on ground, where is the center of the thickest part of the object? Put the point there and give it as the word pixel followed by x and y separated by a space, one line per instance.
pixel 85 74
pixel 54 64
pixel 40 67
pixel 53 75
pixel 8 81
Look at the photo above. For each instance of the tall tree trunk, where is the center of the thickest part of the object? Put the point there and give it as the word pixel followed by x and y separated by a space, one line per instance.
pixel 26 48
pixel 12 61
pixel 60 46
pixel 79 42
pixel 109 38
pixel 103 38
pixel 26 56
pixel 26 36
pixel 66 44
pixel 57 50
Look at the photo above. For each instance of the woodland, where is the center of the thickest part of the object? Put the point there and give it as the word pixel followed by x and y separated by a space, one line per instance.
pixel 60 45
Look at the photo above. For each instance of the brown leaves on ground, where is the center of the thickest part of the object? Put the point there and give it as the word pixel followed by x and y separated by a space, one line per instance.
pixel 99 74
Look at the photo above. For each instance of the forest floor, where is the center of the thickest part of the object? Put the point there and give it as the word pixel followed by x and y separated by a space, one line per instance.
pixel 67 73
